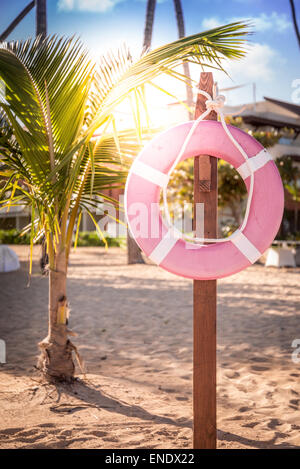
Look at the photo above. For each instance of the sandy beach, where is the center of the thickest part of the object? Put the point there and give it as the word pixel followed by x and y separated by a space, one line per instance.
pixel 134 326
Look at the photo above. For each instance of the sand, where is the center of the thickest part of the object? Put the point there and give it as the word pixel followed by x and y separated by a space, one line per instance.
pixel 134 326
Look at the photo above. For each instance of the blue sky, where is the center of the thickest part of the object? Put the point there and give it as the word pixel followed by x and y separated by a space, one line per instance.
pixel 272 63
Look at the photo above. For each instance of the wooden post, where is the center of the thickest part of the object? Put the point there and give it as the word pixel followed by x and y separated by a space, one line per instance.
pixel 205 296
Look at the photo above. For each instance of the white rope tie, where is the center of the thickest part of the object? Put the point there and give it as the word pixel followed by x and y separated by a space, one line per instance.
pixel 212 104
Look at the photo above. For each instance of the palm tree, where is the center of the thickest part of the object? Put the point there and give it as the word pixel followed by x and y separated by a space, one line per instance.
pixel 134 254
pixel 150 11
pixel 41 18
pixel 186 68
pixel 295 21
pixel 56 99
pixel 17 20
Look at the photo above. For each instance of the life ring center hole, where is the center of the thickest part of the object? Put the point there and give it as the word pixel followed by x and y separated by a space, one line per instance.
pixel 232 199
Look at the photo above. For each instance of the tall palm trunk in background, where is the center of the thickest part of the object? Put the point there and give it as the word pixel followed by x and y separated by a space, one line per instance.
pixel 41 30
pixel 295 20
pixel 151 4
pixel 17 20
pixel 41 18
pixel 134 255
pixel 186 69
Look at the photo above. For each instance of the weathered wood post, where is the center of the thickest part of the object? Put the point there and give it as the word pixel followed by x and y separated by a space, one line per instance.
pixel 205 295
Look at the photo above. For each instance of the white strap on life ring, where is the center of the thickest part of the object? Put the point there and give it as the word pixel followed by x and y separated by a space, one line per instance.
pixel 245 246
pixel 165 245
pixel 256 162
pixel 149 173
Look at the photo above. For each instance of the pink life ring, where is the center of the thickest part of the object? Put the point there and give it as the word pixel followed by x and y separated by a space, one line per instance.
pixel 148 174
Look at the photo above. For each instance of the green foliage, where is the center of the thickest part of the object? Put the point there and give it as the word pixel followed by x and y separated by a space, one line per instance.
pixel 13 237
pixel 268 138
pixel 290 175
pixel 289 172
pixel 180 187
pixel 231 189
pixel 228 229
pixel 91 238
pixel 85 238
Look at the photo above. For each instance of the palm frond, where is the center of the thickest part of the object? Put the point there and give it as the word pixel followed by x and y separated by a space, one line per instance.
pixel 118 75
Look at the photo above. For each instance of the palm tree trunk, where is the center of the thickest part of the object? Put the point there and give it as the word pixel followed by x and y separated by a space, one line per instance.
pixel 44 259
pixel 186 69
pixel 16 21
pixel 295 20
pixel 134 255
pixel 151 4
pixel 41 18
pixel 56 360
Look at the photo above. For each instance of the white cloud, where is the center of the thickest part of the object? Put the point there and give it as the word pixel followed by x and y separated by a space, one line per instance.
pixel 275 21
pixel 210 23
pixel 98 6
pixel 260 63
pixel 259 66
pixel 158 1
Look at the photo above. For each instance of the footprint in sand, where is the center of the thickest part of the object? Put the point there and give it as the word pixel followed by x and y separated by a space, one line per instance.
pixel 250 424
pixel 65 433
pixel 32 439
pixel 97 433
pixel 232 374
pixel 111 439
pixel 235 417
pixel 244 409
pixel 23 435
pixel 46 425
pixel 29 432
pixel 10 431
pixel 259 359
pixel 166 389
pixel 259 368
pixel 274 423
